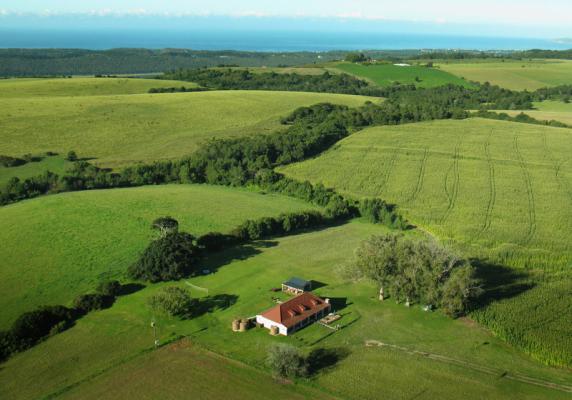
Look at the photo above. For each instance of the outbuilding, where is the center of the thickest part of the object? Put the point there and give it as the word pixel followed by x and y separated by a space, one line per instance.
pixel 294 314
pixel 296 286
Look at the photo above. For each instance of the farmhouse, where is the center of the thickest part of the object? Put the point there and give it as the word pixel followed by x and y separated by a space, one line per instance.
pixel 296 286
pixel 294 314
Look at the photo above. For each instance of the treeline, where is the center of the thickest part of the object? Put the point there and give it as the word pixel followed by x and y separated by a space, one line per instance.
pixel 34 326
pixel 233 79
pixel 497 54
pixel 9 162
pixel 522 117
pixel 181 89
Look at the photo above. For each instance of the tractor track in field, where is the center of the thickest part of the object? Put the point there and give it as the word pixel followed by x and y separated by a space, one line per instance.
pixel 387 171
pixel 501 374
pixel 452 196
pixel 420 177
pixel 529 192
pixel 492 188
pixel 556 165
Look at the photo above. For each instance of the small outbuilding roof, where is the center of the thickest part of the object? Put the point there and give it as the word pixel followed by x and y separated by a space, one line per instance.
pixel 298 283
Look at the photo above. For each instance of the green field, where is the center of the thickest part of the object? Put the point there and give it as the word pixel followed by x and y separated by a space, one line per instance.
pixel 515 75
pixel 549 110
pixel 387 74
pixel 103 347
pixel 499 191
pixel 495 185
pixel 56 247
pixel 15 88
pixel 120 130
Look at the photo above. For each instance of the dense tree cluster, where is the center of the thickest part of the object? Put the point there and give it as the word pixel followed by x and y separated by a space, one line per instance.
pixel 181 89
pixel 415 271
pixel 286 361
pixel 236 79
pixel 356 57
pixel 171 257
pixel 522 117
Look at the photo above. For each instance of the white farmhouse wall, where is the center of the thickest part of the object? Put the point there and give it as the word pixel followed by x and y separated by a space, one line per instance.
pixel 267 323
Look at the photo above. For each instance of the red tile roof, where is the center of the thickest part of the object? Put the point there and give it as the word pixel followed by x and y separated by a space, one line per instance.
pixel 296 309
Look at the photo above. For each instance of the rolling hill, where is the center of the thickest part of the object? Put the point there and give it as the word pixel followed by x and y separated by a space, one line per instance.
pixel 515 75
pixel 118 130
pixel 56 247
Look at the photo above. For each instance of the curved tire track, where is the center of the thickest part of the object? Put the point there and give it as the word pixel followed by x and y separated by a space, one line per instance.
pixel 452 196
pixel 529 192
pixel 492 188
pixel 420 177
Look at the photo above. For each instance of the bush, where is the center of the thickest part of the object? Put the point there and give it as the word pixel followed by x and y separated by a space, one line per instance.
pixel 168 258
pixel 34 325
pixel 286 361
pixel 71 156
pixel 215 241
pixel 109 288
pixel 173 301
pixel 7 161
pixel 90 302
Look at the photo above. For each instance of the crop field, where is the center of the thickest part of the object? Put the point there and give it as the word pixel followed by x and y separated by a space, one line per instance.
pixel 120 130
pixel 56 247
pixel 501 186
pixel 499 191
pixel 515 75
pixel 386 75
pixel 115 345
pixel 15 88
pixel 548 111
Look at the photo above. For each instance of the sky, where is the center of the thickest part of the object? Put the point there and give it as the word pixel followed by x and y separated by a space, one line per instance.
pixel 532 18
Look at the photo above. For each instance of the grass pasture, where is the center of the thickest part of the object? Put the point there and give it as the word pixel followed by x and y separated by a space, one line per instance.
pixel 56 247
pixel 388 74
pixel 512 74
pixel 119 130
pixel 63 87
pixel 107 346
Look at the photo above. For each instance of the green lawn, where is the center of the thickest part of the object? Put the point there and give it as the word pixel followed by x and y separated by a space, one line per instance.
pixel 110 348
pixel 120 130
pixel 56 247
pixel 43 87
pixel 388 74
pixel 515 75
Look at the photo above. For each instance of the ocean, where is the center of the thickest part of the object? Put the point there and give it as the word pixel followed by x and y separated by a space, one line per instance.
pixel 261 40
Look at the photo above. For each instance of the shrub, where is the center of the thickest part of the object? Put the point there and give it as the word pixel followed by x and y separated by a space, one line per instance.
pixel 71 156
pixel 286 361
pixel 173 301
pixel 7 161
pixel 215 241
pixel 93 301
pixel 34 325
pixel 169 258
pixel 109 288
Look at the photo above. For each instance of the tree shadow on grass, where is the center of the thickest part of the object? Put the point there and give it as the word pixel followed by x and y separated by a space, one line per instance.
pixel 214 261
pixel 323 359
pixel 499 282
pixel 130 288
pixel 211 304
pixel 338 303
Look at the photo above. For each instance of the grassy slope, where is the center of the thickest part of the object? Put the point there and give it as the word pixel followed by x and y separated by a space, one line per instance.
pixel 56 164
pixel 500 190
pixel 549 110
pixel 105 340
pixel 56 247
pixel 120 130
pixel 178 371
pixel 15 88
pixel 386 74
pixel 516 75
pixel 439 175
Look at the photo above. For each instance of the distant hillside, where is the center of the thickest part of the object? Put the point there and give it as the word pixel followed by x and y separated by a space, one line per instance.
pixel 40 62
